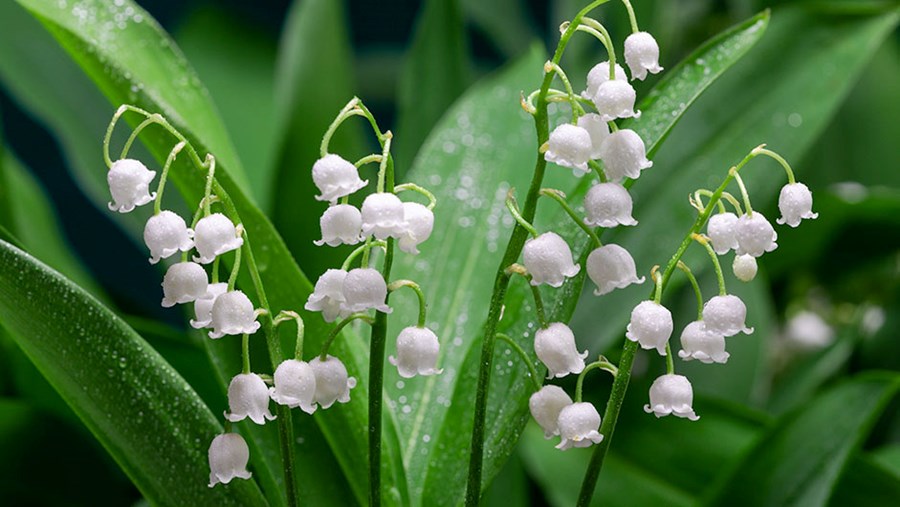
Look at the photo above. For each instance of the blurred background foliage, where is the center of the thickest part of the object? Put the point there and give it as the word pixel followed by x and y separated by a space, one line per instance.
pixel 826 304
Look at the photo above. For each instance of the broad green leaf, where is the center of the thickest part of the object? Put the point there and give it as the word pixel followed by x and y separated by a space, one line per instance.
pixel 145 415
pixel 477 152
pixel 800 461
pixel 504 22
pixel 866 483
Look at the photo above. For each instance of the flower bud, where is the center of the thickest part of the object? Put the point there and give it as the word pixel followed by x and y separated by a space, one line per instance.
pixel 545 406
pixel 184 282
pixel 615 99
pixel 755 235
pixel 744 267
pixel 364 288
pixel 341 225
pixel 725 315
pixel 698 342
pixel 651 326
pixel 608 205
pixel 795 203
pixel 671 394
pixel 228 457
pixel 332 381
pixel 598 75
pixel 597 129
pixel 555 347
pixel 549 260
pixel 721 232
pixel 578 426
pixel 624 155
pixel 328 296
pixel 611 267
pixel 335 178
pixel 203 306
pixel 569 146
pixel 129 184
pixel 382 216
pixel 232 313
pixel 419 224
pixel 248 396
pixel 417 352
pixel 214 236
pixel 295 385
pixel 642 55
pixel 165 234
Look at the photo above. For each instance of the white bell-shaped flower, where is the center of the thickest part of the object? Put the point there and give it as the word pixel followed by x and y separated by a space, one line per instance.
pixel 417 352
pixel 364 288
pixel 332 381
pixel 671 394
pixel 744 267
pixel 726 315
pixel 579 425
pixel 248 396
pixel 335 178
pixel 615 99
pixel 698 342
pixel 795 204
pixel 203 306
pixel 214 236
pixel 642 55
pixel 721 232
pixel 382 216
pixel 608 205
pixel 184 282
pixel 651 326
pixel 545 406
pixel 328 296
pixel 624 155
pixel 419 224
pixel 755 235
pixel 611 267
pixel 129 185
pixel 233 313
pixel 555 347
pixel 228 457
pixel 295 385
pixel 341 225
pixel 549 260
pixel 598 130
pixel 598 75
pixel 570 146
pixel 165 234
pixel 808 331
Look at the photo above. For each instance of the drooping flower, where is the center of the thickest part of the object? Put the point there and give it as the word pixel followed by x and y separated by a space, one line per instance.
pixel 214 236
pixel 744 267
pixel 228 457
pixel 382 216
pixel 203 306
pixel 549 260
pixel 608 205
pixel 598 75
pixel 624 155
pixel 248 396
pixel 615 99
pixel 721 232
pixel 545 406
pixel 755 235
pixel 332 381
pixel 341 224
pixel 555 347
pixel 129 185
pixel 295 385
pixel 364 288
pixel 419 224
pixel 611 267
pixel 651 326
pixel 698 342
pixel 671 394
pixel 569 146
pixel 795 203
pixel 579 425
pixel 232 313
pixel 642 55
pixel 726 315
pixel 328 295
pixel 184 282
pixel 807 330
pixel 417 352
pixel 335 178
pixel 165 234
pixel 597 129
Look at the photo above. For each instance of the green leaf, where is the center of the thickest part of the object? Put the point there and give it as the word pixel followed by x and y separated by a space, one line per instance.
pixel 468 163
pixel 866 483
pixel 800 461
pixel 148 418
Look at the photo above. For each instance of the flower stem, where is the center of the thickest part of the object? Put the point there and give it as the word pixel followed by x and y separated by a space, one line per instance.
pixel 513 208
pixel 432 200
pixel 602 364
pixel 687 271
pixel 418 290
pixel 670 361
pixel 631 17
pixel 715 260
pixel 532 371
pixel 286 315
pixel 599 31
pixel 157 205
pixel 560 198
pixel 337 330
pixel 245 353
pixel 760 150
pixel 363 249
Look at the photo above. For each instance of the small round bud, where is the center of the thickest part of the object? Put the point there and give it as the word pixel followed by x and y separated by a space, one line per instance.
pixel 295 385
pixel 203 306
pixel 598 75
pixel 328 296
pixel 579 425
pixel 671 394
pixel 417 352
pixel 651 326
pixel 332 381
pixel 335 178
pixel 129 184
pixel 615 99
pixel 232 314
pixel 549 260
pixel 611 267
pixel 744 267
pixel 184 282
pixel 555 347
pixel 228 457
pixel 364 288
pixel 698 342
pixel 721 232
pixel 755 235
pixel 642 55
pixel 608 205
pixel 569 146
pixel 545 406
pixel 725 315
pixel 382 216
pixel 165 234
pixel 341 225
pixel 419 224
pixel 624 155
pixel 214 236
pixel 248 396
pixel 795 203
pixel 597 129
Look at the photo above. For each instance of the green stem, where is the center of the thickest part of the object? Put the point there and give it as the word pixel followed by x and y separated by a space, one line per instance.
pixel 744 194
pixel 577 110
pixel 560 198
pixel 687 271
pixel 286 315
pixel 348 111
pixel 513 208
pixel 157 205
pixel 215 269
pixel 698 202
pixel 432 200
pixel 210 178
pixel 418 290
pixel 518 269
pixel 245 353
pixel 532 371
pixel 599 31
pixel 601 175
pixel 602 364
pixel 337 330
pixel 784 163
pixel 715 260
pixel 363 249
pixel 631 17
pixel 152 120
pixel 235 269
pixel 368 159
pixel 670 361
